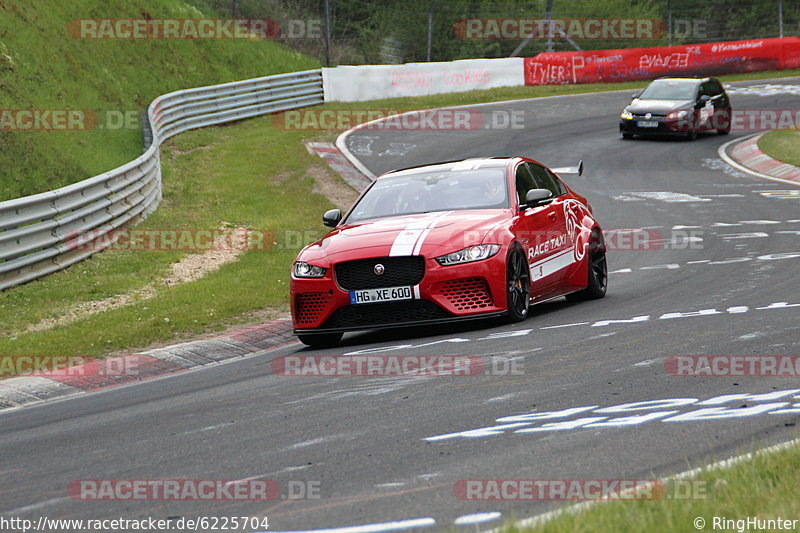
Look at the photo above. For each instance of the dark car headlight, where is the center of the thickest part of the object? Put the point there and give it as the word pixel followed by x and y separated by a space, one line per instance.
pixel 469 254
pixel 679 114
pixel 302 269
pixel 627 115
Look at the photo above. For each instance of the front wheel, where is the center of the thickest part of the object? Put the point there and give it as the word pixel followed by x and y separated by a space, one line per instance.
pixel 322 340
pixel 626 135
pixel 598 272
pixel 518 287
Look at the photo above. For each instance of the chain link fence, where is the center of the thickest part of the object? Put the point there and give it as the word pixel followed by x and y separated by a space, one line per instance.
pixel 401 31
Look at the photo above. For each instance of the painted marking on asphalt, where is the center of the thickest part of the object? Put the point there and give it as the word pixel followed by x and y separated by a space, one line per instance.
pixel 730 260
pixel 663 196
pixel 726 407
pixel 693 314
pixel 477 518
pixel 752 235
pixel 766 89
pixel 565 325
pixel 791 194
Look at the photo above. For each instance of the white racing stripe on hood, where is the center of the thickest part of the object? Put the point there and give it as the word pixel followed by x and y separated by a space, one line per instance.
pixel 409 240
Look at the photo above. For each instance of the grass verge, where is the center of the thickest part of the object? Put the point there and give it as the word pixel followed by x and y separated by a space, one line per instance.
pixel 783 145
pixel 763 487
pixel 251 174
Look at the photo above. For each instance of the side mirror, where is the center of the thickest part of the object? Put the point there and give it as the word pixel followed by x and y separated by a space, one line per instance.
pixel 537 198
pixel 635 95
pixel 331 218
pixel 703 100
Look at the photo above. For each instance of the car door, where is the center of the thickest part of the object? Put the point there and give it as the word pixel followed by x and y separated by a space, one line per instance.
pixel 541 231
pixel 706 110
pixel 722 104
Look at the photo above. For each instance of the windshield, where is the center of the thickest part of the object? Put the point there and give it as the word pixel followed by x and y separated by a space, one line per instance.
pixel 433 191
pixel 669 90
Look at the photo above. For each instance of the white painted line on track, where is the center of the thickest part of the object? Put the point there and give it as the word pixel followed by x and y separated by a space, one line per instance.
pixel 399 525
pixel 477 518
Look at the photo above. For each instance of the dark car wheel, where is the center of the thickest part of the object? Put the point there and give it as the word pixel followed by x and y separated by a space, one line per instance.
pixel 322 340
pixel 726 117
pixel 598 271
pixel 626 135
pixel 518 286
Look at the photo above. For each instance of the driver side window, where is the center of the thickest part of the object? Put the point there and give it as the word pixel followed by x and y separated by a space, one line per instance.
pixel 524 182
pixel 545 180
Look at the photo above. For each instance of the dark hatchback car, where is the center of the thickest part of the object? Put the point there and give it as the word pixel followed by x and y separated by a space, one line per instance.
pixel 677 106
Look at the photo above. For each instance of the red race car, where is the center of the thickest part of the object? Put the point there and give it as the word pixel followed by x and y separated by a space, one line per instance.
pixel 446 242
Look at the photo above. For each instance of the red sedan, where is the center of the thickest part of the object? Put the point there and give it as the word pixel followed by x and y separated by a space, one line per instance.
pixel 447 242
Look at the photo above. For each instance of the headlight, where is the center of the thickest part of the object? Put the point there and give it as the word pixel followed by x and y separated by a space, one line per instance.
pixel 304 270
pixel 469 254
pixel 627 115
pixel 677 114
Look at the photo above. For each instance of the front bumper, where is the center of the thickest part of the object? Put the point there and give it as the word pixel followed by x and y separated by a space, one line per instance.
pixel 664 127
pixel 445 294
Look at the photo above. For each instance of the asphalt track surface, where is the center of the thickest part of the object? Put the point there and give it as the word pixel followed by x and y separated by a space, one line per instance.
pixel 362 441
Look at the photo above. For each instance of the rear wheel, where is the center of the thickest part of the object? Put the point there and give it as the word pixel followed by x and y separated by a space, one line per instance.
pixel 598 271
pixel 723 121
pixel 518 286
pixel 322 340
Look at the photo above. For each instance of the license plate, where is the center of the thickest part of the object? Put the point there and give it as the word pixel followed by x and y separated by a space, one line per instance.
pixel 389 294
pixel 647 124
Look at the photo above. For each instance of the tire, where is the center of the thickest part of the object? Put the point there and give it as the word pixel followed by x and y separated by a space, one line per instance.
pixel 324 340
pixel 598 272
pixel 727 117
pixel 518 286
pixel 626 135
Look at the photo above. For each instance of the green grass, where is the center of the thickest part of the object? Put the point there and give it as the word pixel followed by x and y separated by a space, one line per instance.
pixel 764 486
pixel 237 175
pixel 42 67
pixel 783 145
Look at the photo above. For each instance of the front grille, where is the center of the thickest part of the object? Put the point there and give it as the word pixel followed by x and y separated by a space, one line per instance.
pixel 368 315
pixel 310 306
pixel 398 271
pixel 466 294
pixel 652 116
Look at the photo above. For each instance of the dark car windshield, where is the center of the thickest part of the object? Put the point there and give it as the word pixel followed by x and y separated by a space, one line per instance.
pixel 426 192
pixel 669 90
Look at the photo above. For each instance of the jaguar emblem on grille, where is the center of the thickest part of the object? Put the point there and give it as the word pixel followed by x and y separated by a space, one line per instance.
pixel 379 269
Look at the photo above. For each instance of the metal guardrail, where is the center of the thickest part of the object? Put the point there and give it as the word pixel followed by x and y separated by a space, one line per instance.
pixel 50 231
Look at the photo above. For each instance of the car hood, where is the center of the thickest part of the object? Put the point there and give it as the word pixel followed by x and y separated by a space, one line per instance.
pixel 429 234
pixel 657 107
